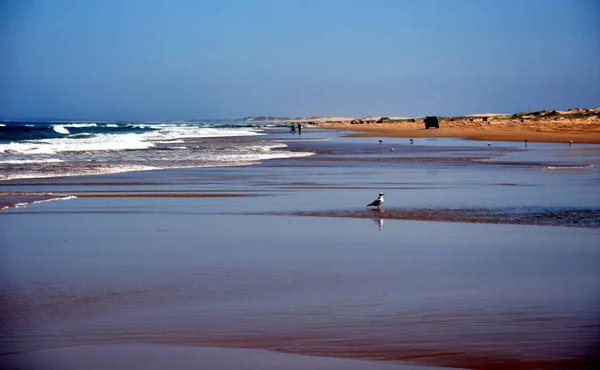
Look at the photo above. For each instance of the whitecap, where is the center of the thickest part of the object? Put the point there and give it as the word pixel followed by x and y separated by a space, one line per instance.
pixel 107 142
pixel 81 125
pixel 61 129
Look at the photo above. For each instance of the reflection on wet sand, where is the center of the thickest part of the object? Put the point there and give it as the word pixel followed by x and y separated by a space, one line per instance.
pixel 13 199
pixel 573 217
pixel 161 195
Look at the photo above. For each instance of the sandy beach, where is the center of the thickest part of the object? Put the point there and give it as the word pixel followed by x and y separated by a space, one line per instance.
pixel 482 257
pixel 300 185
pixel 577 125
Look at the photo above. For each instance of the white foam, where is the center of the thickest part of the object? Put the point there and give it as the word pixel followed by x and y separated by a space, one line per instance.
pixel 253 157
pixel 25 161
pixel 80 172
pixel 61 129
pixel 112 125
pixel 24 204
pixel 97 143
pixel 168 132
pixel 90 148
pixel 574 167
pixel 112 142
pixel 81 125
pixel 2 125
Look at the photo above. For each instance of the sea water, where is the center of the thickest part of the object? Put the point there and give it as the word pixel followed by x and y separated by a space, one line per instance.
pixel 56 149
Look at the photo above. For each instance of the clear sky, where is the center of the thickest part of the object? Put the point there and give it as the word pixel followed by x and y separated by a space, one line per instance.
pixel 192 59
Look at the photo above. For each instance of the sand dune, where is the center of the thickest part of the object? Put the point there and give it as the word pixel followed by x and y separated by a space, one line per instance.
pixel 577 125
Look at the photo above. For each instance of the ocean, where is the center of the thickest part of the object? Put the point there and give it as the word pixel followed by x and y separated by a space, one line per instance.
pixel 56 149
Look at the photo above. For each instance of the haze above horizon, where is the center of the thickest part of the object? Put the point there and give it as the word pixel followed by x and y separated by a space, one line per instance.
pixel 159 60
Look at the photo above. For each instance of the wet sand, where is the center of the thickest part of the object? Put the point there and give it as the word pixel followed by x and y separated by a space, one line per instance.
pixel 303 267
pixel 476 134
pixel 159 357
pixel 136 194
pixel 561 217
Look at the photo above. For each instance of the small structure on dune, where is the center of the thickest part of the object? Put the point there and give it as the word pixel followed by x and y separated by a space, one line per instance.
pixel 412 120
pixel 484 119
pixel 431 121
pixel 382 120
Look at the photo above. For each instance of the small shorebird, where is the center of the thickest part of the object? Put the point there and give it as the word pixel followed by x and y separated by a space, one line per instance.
pixel 380 141
pixel 377 202
pixel 489 144
pixel 571 143
pixel 411 141
pixel 392 148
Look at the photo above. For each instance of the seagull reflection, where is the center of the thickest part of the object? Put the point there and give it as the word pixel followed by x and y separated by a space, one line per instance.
pixel 379 223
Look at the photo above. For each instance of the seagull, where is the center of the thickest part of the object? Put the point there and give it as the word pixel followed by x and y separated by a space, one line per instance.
pixel 377 202
pixel 489 144
pixel 411 141
pixel 392 148
pixel 380 141
pixel 571 143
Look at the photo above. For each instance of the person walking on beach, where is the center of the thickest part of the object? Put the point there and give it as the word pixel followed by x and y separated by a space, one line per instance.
pixel 299 129
pixel 293 129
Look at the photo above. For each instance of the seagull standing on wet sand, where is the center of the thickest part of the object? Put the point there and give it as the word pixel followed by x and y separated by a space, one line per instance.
pixel 411 141
pixel 377 202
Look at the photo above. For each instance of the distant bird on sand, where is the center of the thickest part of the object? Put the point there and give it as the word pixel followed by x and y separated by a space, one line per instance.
pixel 380 141
pixel 571 143
pixel 489 144
pixel 377 202
pixel 411 141
pixel 392 148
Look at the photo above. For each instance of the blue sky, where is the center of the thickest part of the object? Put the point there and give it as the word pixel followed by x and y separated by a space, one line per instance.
pixel 184 59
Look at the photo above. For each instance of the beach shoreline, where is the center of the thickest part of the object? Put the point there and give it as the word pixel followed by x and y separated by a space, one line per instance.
pixel 537 130
pixel 284 256
pixel 471 133
pixel 576 125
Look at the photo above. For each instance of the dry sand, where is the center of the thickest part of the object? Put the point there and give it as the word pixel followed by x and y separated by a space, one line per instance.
pixel 578 125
